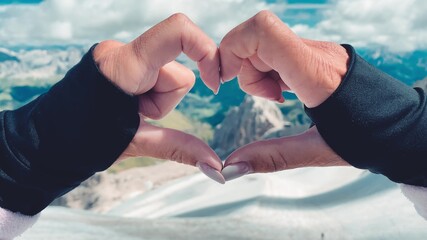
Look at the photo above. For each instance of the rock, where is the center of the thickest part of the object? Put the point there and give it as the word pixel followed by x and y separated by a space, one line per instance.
pixel 247 123
pixel 105 190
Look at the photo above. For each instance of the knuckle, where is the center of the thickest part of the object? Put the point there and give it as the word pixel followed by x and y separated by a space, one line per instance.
pixel 181 153
pixel 280 161
pixel 225 41
pixel 110 44
pixel 277 159
pixel 265 21
pixel 176 155
pixel 179 19
pixel 263 14
pixel 209 48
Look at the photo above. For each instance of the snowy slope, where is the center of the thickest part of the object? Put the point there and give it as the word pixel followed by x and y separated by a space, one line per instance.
pixel 340 203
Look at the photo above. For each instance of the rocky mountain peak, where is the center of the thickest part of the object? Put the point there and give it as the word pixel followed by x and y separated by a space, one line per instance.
pixel 246 123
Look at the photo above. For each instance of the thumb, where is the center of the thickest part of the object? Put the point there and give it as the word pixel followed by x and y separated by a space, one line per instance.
pixel 305 150
pixel 171 144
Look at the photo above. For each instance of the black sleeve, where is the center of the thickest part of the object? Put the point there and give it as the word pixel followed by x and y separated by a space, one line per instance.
pixel 49 146
pixel 375 122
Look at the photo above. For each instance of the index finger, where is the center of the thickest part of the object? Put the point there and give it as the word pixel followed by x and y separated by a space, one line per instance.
pixel 165 143
pixel 165 41
pixel 263 35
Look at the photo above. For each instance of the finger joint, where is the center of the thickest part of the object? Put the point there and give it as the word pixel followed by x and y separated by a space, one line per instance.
pixel 265 21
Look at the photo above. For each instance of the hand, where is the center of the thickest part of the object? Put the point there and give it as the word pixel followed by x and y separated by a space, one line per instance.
pixel 305 150
pixel 269 58
pixel 146 68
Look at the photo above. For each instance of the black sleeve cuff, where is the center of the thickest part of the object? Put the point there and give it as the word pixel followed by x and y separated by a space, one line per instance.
pixel 375 122
pixel 49 146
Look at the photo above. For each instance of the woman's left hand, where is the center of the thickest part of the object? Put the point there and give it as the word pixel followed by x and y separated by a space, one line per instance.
pixel 146 68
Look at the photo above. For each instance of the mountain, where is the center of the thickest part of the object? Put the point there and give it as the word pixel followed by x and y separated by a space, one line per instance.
pixel 40 67
pixel 7 55
pixel 106 190
pixel 406 67
pixel 229 95
pixel 334 203
pixel 41 64
pixel 26 73
pixel 310 203
pixel 246 123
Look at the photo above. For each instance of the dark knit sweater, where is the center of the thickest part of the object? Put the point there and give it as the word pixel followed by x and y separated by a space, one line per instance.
pixel 49 146
pixel 375 122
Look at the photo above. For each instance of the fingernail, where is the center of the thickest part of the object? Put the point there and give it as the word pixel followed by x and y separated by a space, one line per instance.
pixel 217 90
pixel 211 172
pixel 236 170
pixel 281 99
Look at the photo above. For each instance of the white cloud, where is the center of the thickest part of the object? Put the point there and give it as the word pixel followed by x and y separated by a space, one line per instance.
pixel 396 25
pixel 393 24
pixel 88 21
pixel 307 6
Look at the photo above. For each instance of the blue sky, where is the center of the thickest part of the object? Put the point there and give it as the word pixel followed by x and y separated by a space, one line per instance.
pixel 270 1
pixel 19 1
pixel 393 24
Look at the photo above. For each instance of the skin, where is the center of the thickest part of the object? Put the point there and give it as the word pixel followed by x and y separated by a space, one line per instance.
pixel 265 55
pixel 146 68
pixel 268 58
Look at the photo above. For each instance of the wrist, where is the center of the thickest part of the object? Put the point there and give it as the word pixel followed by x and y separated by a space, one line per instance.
pixel 107 57
pixel 329 69
pixel 320 153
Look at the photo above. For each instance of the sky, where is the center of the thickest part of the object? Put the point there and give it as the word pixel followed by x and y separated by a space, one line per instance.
pixel 396 25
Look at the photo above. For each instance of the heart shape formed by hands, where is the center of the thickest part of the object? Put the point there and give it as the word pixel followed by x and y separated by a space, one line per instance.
pixel 265 55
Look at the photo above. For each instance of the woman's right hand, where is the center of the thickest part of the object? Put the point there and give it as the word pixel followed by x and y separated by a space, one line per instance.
pixel 268 58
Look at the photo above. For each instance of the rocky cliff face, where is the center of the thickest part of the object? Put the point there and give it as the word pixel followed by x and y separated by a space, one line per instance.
pixel 253 120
